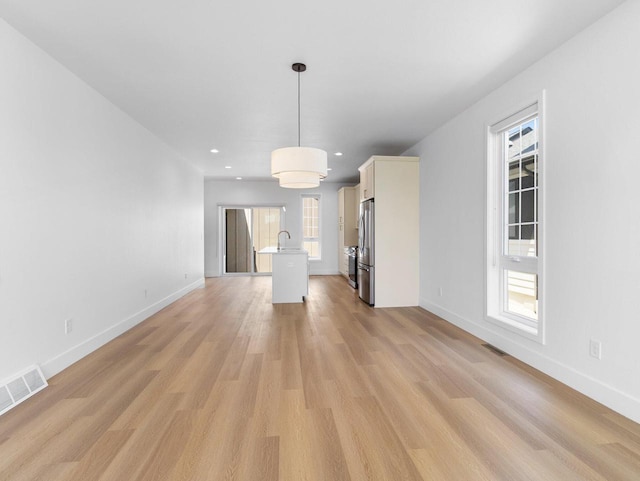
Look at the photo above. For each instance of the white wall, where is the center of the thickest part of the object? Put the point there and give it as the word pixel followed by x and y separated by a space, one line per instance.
pixel 246 193
pixel 592 213
pixel 93 210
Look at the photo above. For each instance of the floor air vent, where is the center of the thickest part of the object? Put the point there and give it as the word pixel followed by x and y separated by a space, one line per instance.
pixel 20 387
pixel 495 350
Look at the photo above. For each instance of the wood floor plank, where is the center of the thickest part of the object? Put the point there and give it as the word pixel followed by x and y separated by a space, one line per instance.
pixel 136 452
pixel 296 454
pixel 267 406
pixel 373 448
pixel 48 452
pixel 133 415
pixel 561 464
pixel 36 431
pixel 101 454
pixel 248 385
pixel 55 472
pixel 328 457
pixel 262 460
pixel 200 441
pixel 223 385
pixel 172 352
pixel 164 457
pixel 437 466
pixel 291 370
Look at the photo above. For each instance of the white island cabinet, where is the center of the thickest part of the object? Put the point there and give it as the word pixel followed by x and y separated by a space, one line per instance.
pixel 290 274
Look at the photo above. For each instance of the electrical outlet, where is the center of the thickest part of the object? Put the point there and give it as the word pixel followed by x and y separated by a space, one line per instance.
pixel 595 349
pixel 185 276
pixel 440 291
pixel 68 326
pixel 145 293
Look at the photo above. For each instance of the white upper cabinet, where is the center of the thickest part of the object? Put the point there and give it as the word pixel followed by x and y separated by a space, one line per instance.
pixel 367 180
pixel 347 223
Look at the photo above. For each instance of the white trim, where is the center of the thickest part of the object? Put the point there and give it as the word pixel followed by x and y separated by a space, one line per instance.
pixel 493 221
pixel 517 116
pixel 323 272
pixel 312 272
pixel 62 361
pixel 542 238
pixel 510 324
pixel 318 239
pixel 610 396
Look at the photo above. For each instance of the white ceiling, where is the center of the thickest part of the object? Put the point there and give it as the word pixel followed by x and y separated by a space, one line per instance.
pixel 217 73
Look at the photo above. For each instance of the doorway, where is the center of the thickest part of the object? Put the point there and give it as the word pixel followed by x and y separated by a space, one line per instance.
pixel 246 231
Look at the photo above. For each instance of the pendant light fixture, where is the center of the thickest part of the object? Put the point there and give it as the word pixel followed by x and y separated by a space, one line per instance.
pixel 299 167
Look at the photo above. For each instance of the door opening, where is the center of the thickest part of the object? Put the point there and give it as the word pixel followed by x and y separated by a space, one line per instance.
pixel 246 231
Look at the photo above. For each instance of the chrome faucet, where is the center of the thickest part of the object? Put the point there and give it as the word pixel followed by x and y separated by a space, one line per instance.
pixel 288 235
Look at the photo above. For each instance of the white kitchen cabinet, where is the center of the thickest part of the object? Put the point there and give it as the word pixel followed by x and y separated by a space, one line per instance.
pixel 367 180
pixel 356 214
pixel 347 224
pixel 347 212
pixel 290 277
pixel 395 183
pixel 344 264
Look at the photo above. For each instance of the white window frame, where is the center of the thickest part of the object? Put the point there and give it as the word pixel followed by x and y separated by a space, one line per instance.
pixel 497 263
pixel 312 239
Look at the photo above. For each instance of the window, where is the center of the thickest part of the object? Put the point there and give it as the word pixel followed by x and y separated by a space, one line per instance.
pixel 311 225
pixel 514 200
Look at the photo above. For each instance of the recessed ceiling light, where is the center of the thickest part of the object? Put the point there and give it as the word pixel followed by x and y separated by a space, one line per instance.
pixel 238 178
pixel 214 151
pixel 338 154
pixel 329 168
pixel 227 166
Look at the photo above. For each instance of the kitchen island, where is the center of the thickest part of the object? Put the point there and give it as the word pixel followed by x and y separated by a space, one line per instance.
pixel 290 274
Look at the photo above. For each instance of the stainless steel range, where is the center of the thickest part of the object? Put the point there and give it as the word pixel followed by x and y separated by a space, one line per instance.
pixel 352 252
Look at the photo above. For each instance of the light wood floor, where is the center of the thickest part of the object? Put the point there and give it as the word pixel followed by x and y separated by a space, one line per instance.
pixel 223 385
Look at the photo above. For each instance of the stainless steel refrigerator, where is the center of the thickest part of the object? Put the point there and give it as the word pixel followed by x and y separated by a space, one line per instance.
pixel 366 253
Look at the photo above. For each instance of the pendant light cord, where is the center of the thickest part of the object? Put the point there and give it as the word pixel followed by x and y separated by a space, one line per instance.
pixel 299 68
pixel 298 109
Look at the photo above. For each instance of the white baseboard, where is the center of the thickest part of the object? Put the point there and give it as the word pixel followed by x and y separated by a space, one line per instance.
pixel 62 361
pixel 610 396
pixel 312 272
pixel 323 272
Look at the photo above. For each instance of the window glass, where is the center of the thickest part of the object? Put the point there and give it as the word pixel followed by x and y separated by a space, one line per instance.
pixel 311 225
pixel 522 294
pixel 527 201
